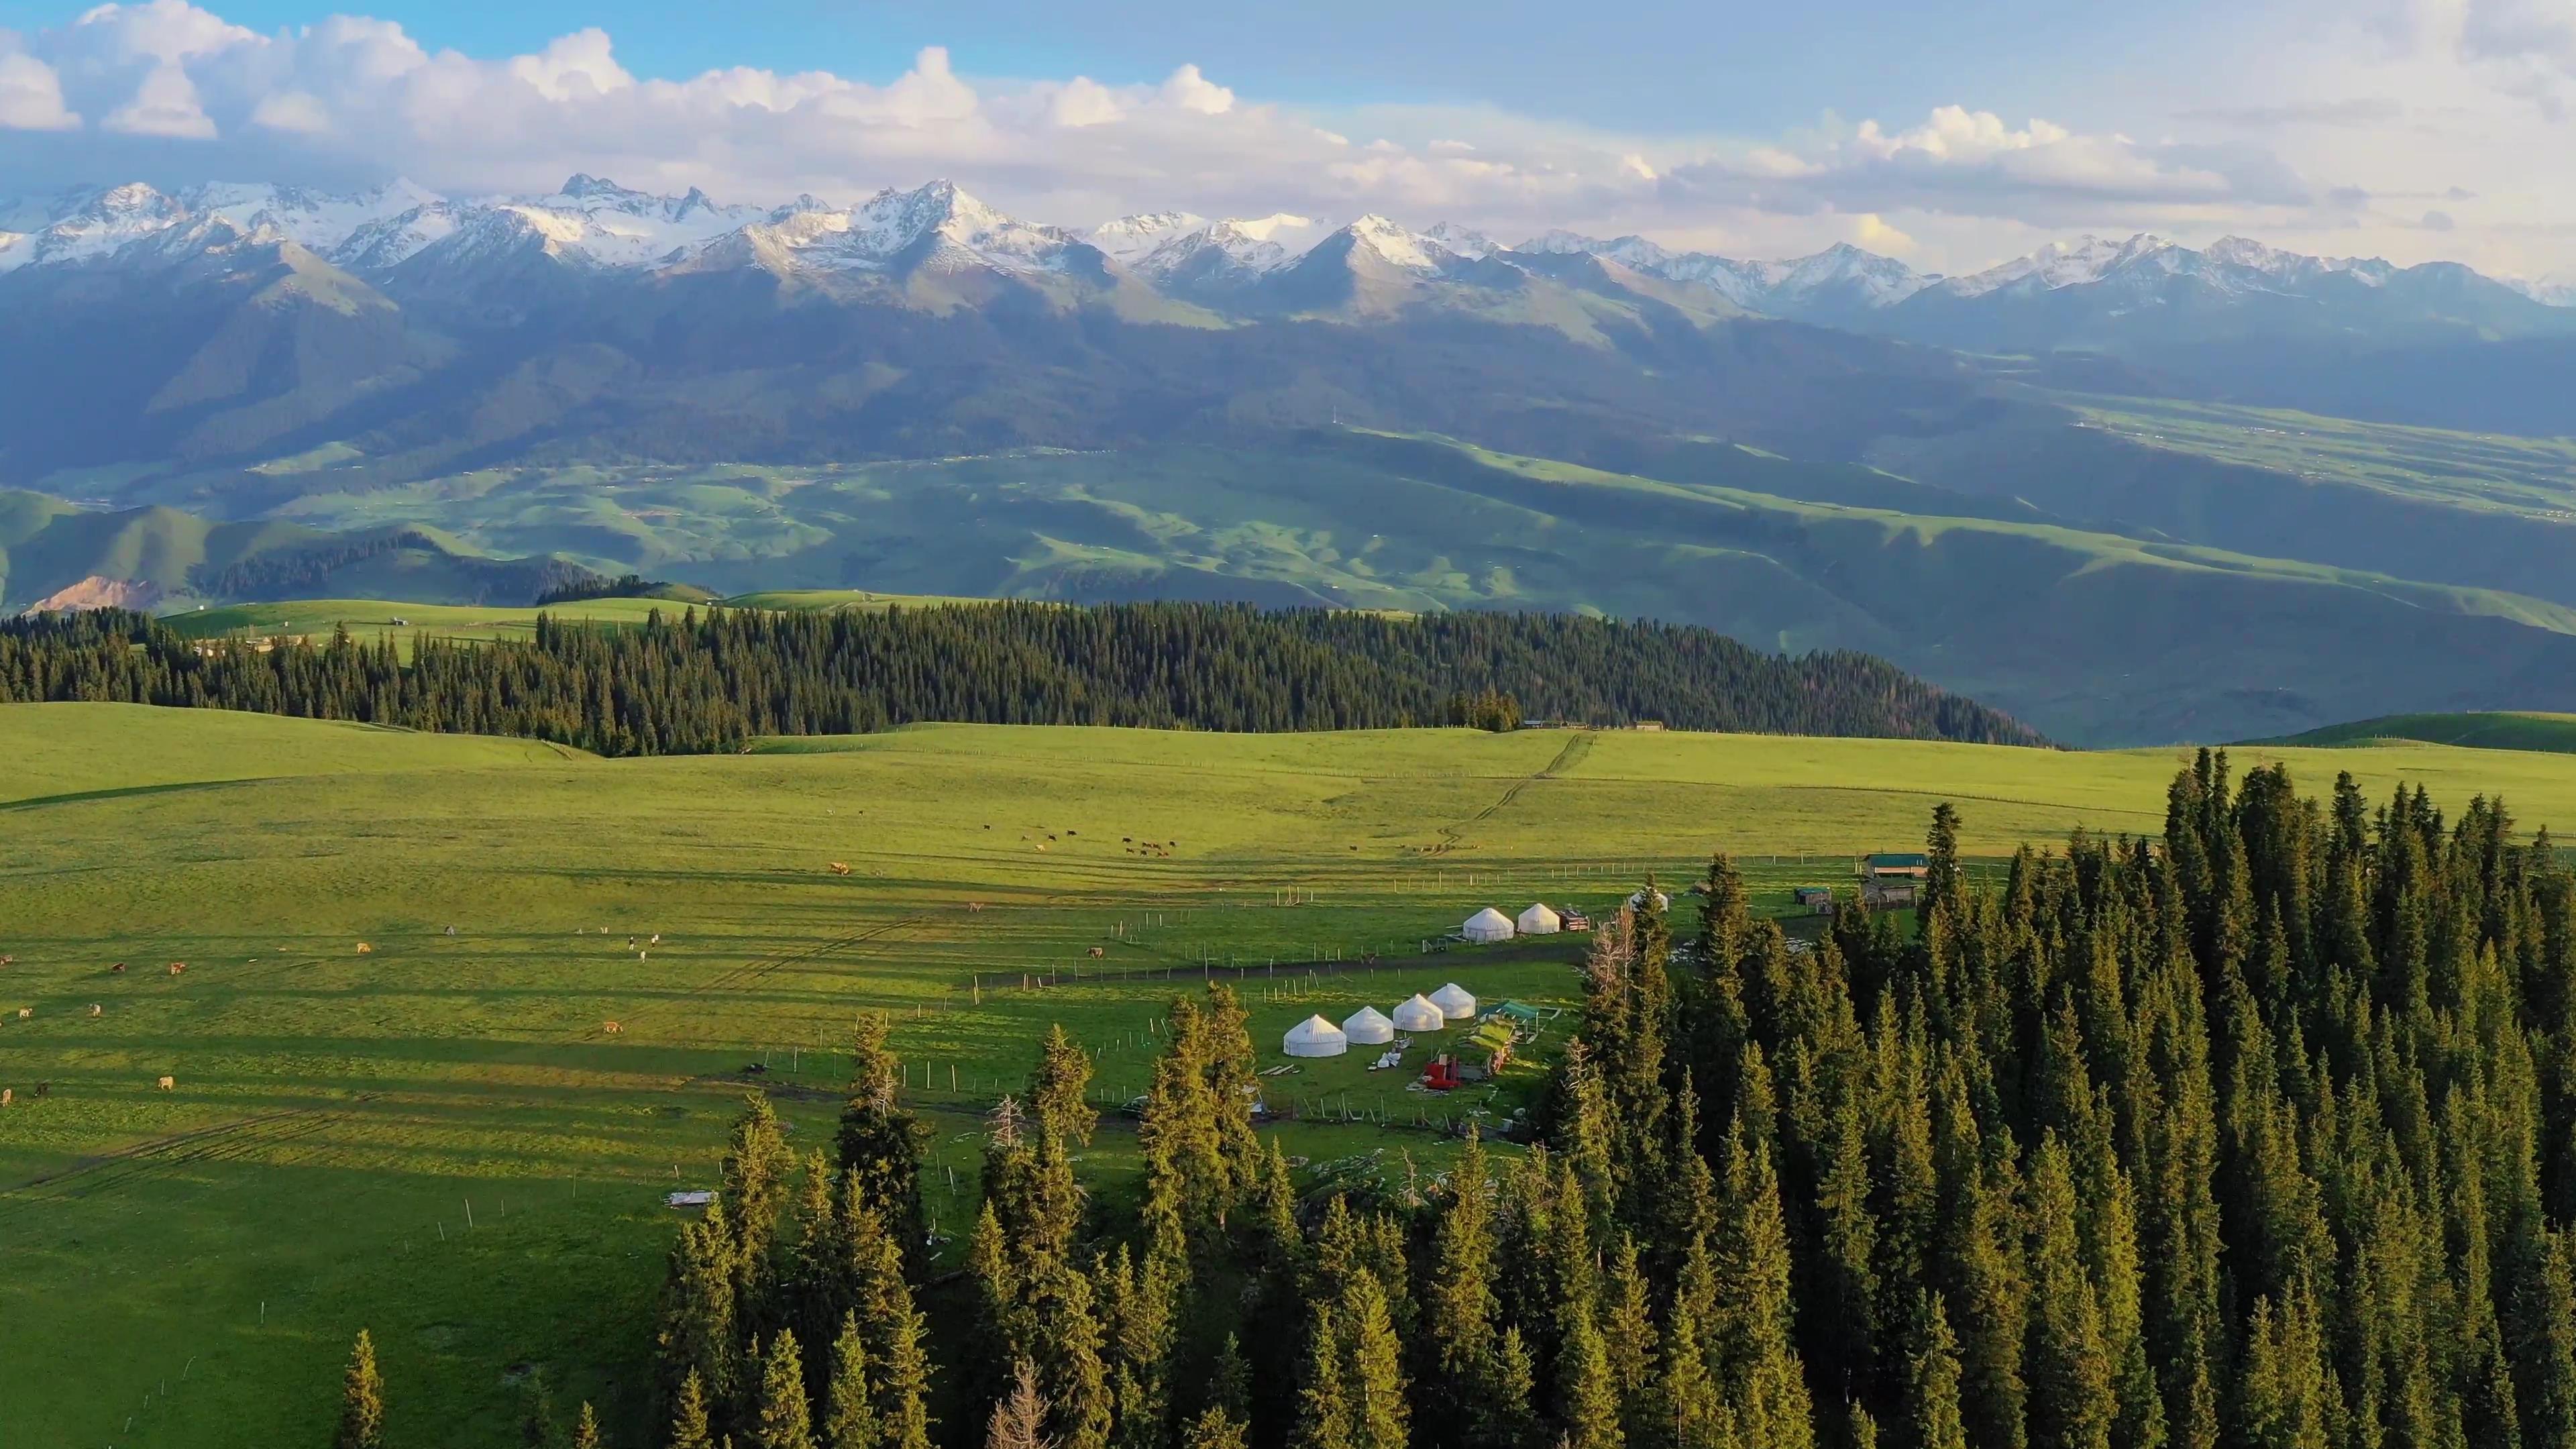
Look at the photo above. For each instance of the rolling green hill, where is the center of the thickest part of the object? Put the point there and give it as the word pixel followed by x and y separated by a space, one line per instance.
pixel 2502 730
pixel 47 545
pixel 2092 634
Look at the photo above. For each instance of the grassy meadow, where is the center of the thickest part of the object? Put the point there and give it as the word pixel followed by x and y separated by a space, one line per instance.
pixel 442 1140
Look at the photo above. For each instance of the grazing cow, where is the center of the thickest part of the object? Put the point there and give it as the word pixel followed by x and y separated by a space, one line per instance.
pixel 25 1012
pixel 97 1010
pixel 117 970
pixel 643 955
pixel 1097 951
pixel 8 960
pixel 168 1084
pixel 975 908
pixel 7 1096
pixel 840 867
pixel 656 941
pixel 44 1089
pixel 178 968
pixel 613 1028
pixel 365 950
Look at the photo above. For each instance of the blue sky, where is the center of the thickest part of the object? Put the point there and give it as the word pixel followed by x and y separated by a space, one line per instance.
pixel 1658 65
pixel 1951 136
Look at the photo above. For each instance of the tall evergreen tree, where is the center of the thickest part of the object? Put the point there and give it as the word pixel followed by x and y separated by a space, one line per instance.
pixel 783 1419
pixel 362 1399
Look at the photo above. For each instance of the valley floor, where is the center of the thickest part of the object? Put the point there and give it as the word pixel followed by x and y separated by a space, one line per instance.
pixel 441 1138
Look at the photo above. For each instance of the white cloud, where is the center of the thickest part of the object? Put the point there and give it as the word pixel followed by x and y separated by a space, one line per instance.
pixel 164 105
pixel 174 92
pixel 31 96
pixel 1083 101
pixel 1192 91
pixel 573 67
pixel 1870 232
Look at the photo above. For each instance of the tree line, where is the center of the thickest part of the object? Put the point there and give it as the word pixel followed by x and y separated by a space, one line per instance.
pixel 695 682
pixel 2262 1138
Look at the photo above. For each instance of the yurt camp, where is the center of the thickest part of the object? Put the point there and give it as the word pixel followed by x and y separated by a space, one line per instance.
pixel 1368 1026
pixel 1538 920
pixel 1316 1037
pixel 1455 1002
pixel 1419 1014
pixel 1487 925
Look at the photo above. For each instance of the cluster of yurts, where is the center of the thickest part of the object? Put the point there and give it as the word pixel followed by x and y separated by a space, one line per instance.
pixel 1368 1026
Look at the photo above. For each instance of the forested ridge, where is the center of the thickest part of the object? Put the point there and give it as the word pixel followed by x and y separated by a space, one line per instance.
pixel 2259 1137
pixel 693 682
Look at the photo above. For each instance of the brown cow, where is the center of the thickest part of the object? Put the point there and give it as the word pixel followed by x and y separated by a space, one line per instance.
pixel 613 1028
pixel 117 970
pixel 178 967
pixel 365 950
pixel 840 867
pixel 1097 951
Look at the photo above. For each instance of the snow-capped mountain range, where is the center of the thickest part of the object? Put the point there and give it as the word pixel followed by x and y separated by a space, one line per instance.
pixel 401 234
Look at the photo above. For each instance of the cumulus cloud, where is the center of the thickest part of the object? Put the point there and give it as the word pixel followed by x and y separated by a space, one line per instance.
pixel 171 92
pixel 31 96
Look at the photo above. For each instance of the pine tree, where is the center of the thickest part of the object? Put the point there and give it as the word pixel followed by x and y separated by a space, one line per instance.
pixel 1628 1342
pixel 1753 1342
pixel 1932 1382
pixel 689 1416
pixel 756 1170
pixel 903 1395
pixel 585 1428
pixel 881 1143
pixel 849 1408
pixel 362 1399
pixel 782 1419
pixel 1379 1416
pixel 1698 1417
pixel 2073 1402
pixel 1324 1411
pixel 697 1333
pixel 1587 1399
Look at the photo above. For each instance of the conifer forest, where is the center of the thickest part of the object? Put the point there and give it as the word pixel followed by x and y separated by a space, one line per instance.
pixel 2259 1138
pixel 694 683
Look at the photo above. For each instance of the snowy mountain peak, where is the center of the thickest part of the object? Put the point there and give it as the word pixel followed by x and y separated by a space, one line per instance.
pixel 1391 243
pixel 1133 238
pixel 1460 241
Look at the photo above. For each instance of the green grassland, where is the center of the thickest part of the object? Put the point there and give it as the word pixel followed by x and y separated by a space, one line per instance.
pixel 2535 477
pixel 336 1117
pixel 2548 733
pixel 2147 638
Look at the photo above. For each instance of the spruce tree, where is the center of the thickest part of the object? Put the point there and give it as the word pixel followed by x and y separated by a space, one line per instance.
pixel 1587 1396
pixel 2073 1398
pixel 689 1416
pixel 755 1176
pixel 1324 1410
pixel 362 1399
pixel 1932 1381
pixel 881 1142
pixel 849 1407
pixel 782 1419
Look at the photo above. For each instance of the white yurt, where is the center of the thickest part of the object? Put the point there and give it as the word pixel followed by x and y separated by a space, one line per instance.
pixel 1487 925
pixel 1368 1026
pixel 1637 901
pixel 1538 920
pixel 1315 1037
pixel 1454 1001
pixel 1419 1015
